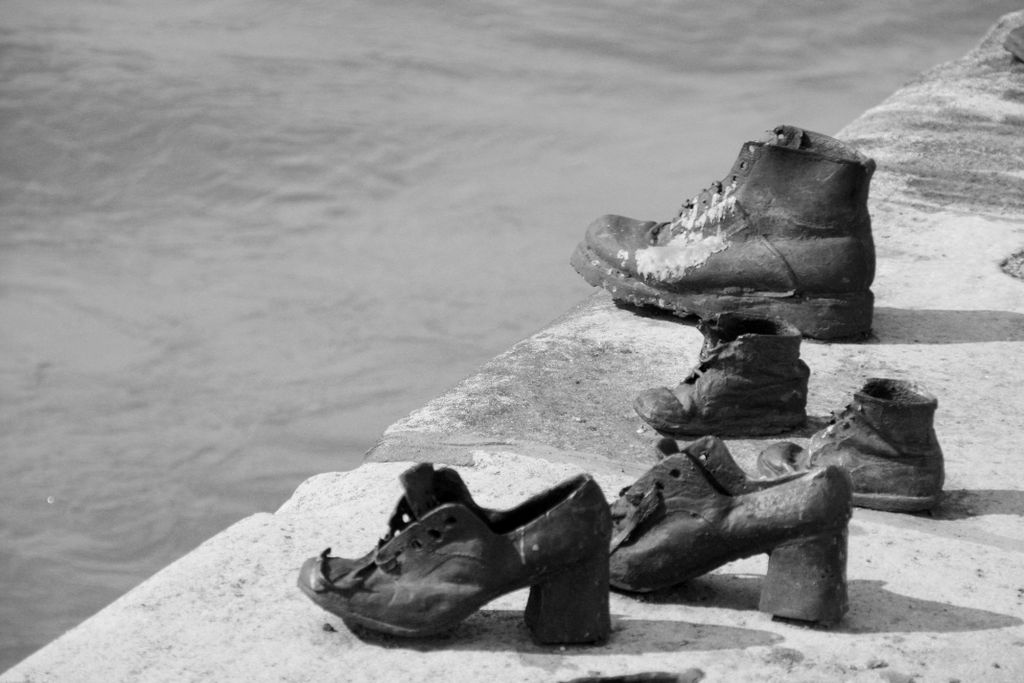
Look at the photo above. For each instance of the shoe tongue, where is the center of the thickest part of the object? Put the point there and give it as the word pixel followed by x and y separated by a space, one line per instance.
pixel 427 488
pixel 710 456
pixel 714 459
pixel 677 476
pixel 696 480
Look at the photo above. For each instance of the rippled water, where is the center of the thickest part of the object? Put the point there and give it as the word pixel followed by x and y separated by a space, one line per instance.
pixel 238 239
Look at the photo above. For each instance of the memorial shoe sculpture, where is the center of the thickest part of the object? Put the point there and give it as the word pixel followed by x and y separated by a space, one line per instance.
pixel 785 234
pixel 885 438
pixel 444 557
pixel 681 520
pixel 749 381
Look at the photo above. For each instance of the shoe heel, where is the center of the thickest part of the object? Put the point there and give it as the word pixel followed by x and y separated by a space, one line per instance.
pixel 806 579
pixel 571 606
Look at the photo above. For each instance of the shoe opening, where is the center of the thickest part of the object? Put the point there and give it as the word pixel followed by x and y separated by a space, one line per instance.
pixel 728 327
pixel 895 390
pixel 825 145
pixel 505 521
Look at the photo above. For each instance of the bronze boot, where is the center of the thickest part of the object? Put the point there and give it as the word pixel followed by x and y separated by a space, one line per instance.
pixel 749 381
pixel 785 234
pixel 886 440
pixel 678 521
pixel 444 557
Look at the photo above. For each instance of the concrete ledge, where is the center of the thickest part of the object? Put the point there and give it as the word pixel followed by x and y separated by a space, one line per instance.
pixel 936 597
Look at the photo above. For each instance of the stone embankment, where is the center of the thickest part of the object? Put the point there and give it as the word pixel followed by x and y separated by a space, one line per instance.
pixel 937 598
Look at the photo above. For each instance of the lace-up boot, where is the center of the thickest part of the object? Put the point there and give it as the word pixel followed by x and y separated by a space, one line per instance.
pixel 749 381
pixel 785 234
pixel 886 440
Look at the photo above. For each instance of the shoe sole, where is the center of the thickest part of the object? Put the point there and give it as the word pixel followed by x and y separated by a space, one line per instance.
pixel 355 621
pixel 829 316
pixel 889 502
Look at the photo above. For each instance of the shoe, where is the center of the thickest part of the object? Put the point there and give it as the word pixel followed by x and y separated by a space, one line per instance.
pixel 786 234
pixel 886 440
pixel 680 520
pixel 749 381
pixel 444 557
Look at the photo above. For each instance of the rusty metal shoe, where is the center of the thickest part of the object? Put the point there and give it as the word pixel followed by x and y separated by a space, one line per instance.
pixel 886 440
pixel 749 381
pixel 786 234
pixel 444 557
pixel 680 520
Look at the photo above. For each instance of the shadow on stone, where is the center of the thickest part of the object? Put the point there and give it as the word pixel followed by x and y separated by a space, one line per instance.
pixel 967 503
pixel 726 591
pixel 907 325
pixel 813 425
pixel 503 630
pixel 873 609
pixel 935 523
pixel 914 326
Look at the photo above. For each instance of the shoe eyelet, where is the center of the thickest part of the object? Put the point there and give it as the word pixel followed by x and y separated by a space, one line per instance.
pixel 674 473
pixel 434 534
pixel 659 485
pixel 449 521
pixel 416 543
pixel 704 456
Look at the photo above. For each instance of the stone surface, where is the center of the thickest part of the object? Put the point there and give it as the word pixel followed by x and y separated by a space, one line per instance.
pixel 935 598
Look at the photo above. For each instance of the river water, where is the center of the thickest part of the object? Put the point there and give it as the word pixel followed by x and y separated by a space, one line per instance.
pixel 240 238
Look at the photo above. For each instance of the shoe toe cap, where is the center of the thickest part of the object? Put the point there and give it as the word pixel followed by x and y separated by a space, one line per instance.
pixel 614 239
pixel 780 459
pixel 661 409
pixel 319 574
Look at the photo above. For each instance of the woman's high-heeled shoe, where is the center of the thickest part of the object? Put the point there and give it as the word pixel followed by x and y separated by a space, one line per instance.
pixel 444 557
pixel 690 514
